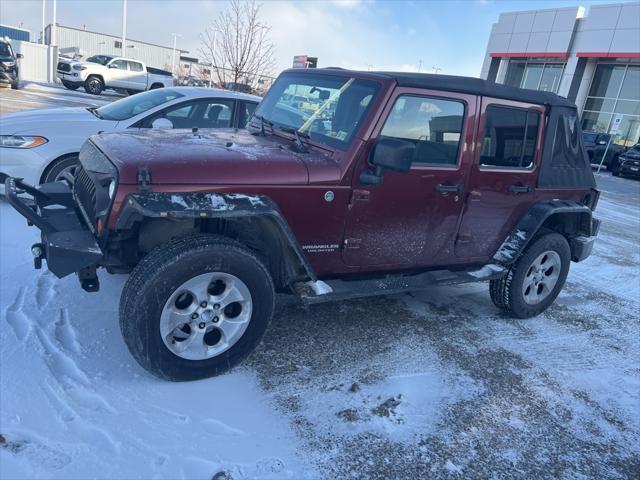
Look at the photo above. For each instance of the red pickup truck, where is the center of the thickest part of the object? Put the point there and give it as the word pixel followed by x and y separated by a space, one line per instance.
pixel 374 183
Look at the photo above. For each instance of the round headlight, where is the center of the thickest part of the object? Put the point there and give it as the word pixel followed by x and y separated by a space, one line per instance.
pixel 112 189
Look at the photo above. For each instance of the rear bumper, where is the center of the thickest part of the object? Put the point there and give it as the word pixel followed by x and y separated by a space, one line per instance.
pixel 67 244
pixel 582 246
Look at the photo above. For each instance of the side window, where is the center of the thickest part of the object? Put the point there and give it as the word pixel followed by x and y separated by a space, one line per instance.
pixel 434 125
pixel 135 66
pixel 217 114
pixel 246 111
pixel 119 64
pixel 200 114
pixel 510 136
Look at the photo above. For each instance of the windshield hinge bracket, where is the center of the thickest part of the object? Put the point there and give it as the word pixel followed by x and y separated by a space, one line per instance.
pixel 144 180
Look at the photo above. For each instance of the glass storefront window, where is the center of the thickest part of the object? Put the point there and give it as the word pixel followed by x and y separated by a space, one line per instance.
pixel 607 80
pixel 551 77
pixel 614 95
pixel 596 122
pixel 535 76
pixel 532 75
pixel 631 86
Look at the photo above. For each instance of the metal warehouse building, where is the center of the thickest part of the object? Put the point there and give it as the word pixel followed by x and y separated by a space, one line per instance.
pixel 593 60
pixel 94 43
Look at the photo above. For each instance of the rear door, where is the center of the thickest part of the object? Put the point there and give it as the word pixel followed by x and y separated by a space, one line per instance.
pixel 411 219
pixel 137 76
pixel 503 177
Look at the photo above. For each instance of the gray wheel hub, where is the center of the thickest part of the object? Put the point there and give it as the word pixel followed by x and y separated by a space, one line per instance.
pixel 67 174
pixel 206 316
pixel 541 277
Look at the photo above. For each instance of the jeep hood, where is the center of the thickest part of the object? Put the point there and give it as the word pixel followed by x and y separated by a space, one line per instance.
pixel 213 157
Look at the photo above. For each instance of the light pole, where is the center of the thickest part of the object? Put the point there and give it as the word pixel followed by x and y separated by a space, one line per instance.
pixel 124 26
pixel 44 11
pixel 173 54
pixel 54 27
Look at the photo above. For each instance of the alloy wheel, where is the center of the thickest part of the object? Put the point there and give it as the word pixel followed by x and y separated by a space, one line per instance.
pixel 206 316
pixel 541 277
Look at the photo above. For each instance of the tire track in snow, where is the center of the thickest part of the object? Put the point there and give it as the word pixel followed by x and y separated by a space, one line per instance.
pixel 45 290
pixel 65 333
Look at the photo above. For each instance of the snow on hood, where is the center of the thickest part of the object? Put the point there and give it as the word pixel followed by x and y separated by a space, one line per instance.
pixel 38 122
pixel 211 157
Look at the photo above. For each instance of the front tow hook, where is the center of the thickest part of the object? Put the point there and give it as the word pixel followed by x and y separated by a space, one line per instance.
pixel 37 250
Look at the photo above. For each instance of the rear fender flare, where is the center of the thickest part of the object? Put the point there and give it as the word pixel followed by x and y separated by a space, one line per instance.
pixel 542 215
pixel 211 206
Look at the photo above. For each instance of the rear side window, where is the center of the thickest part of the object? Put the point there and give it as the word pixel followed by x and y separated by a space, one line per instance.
pixel 434 125
pixel 246 112
pixel 135 66
pixel 510 136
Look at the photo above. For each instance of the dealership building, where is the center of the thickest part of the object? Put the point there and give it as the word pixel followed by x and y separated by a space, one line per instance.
pixel 591 57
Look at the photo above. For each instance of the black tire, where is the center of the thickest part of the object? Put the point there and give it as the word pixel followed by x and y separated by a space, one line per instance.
pixel 161 273
pixel 64 165
pixel 507 292
pixel 15 85
pixel 70 86
pixel 94 85
pixel 132 92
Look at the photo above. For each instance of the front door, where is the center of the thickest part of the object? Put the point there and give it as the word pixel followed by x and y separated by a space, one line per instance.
pixel 119 74
pixel 411 219
pixel 503 176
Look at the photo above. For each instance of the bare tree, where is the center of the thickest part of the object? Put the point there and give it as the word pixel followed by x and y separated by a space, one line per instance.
pixel 237 45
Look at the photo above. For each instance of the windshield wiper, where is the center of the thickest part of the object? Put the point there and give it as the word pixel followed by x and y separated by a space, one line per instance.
pixel 297 142
pixel 264 121
pixel 94 110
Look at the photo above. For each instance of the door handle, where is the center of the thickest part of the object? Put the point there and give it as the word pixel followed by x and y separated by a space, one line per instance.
pixel 520 189
pixel 442 188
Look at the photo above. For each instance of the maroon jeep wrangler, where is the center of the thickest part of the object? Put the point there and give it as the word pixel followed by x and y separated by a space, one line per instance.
pixel 377 183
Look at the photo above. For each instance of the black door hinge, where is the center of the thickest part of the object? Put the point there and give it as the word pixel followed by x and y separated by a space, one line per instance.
pixel 144 179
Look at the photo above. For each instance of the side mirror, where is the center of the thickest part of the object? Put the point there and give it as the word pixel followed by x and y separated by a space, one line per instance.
pixel 112 65
pixel 388 154
pixel 162 123
pixel 19 55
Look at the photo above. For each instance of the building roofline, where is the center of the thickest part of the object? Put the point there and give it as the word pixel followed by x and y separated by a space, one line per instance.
pixel 15 28
pixel 118 37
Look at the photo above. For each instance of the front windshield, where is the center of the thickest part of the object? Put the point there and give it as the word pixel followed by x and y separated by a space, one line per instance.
pixel 128 107
pixel 101 59
pixel 5 50
pixel 327 108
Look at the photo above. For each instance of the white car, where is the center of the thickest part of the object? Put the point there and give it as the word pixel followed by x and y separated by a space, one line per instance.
pixel 43 145
pixel 105 71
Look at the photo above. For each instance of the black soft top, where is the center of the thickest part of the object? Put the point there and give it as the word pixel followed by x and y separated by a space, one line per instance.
pixel 470 85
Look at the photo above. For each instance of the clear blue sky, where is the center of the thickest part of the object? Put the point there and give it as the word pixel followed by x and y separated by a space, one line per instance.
pixel 451 35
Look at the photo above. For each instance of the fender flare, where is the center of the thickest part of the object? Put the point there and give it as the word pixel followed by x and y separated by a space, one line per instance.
pixel 200 205
pixel 531 222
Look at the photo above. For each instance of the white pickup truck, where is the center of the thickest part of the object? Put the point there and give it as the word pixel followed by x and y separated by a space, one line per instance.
pixel 105 71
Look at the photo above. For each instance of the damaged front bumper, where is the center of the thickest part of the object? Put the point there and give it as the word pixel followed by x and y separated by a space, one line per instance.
pixel 67 244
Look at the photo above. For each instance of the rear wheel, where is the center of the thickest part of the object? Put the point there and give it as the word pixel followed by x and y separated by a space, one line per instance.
pixel 535 280
pixel 196 307
pixel 69 85
pixel 63 170
pixel 94 85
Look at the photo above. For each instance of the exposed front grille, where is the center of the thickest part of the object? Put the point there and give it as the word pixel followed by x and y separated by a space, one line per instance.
pixel 85 193
pixel 64 67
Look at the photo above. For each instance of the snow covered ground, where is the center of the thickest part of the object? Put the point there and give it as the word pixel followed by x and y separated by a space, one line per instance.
pixel 435 384
pixel 430 384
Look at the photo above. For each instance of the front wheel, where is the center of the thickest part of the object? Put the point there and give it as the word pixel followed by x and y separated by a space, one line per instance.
pixel 196 307
pixel 94 85
pixel 532 284
pixel 15 85
pixel 63 170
